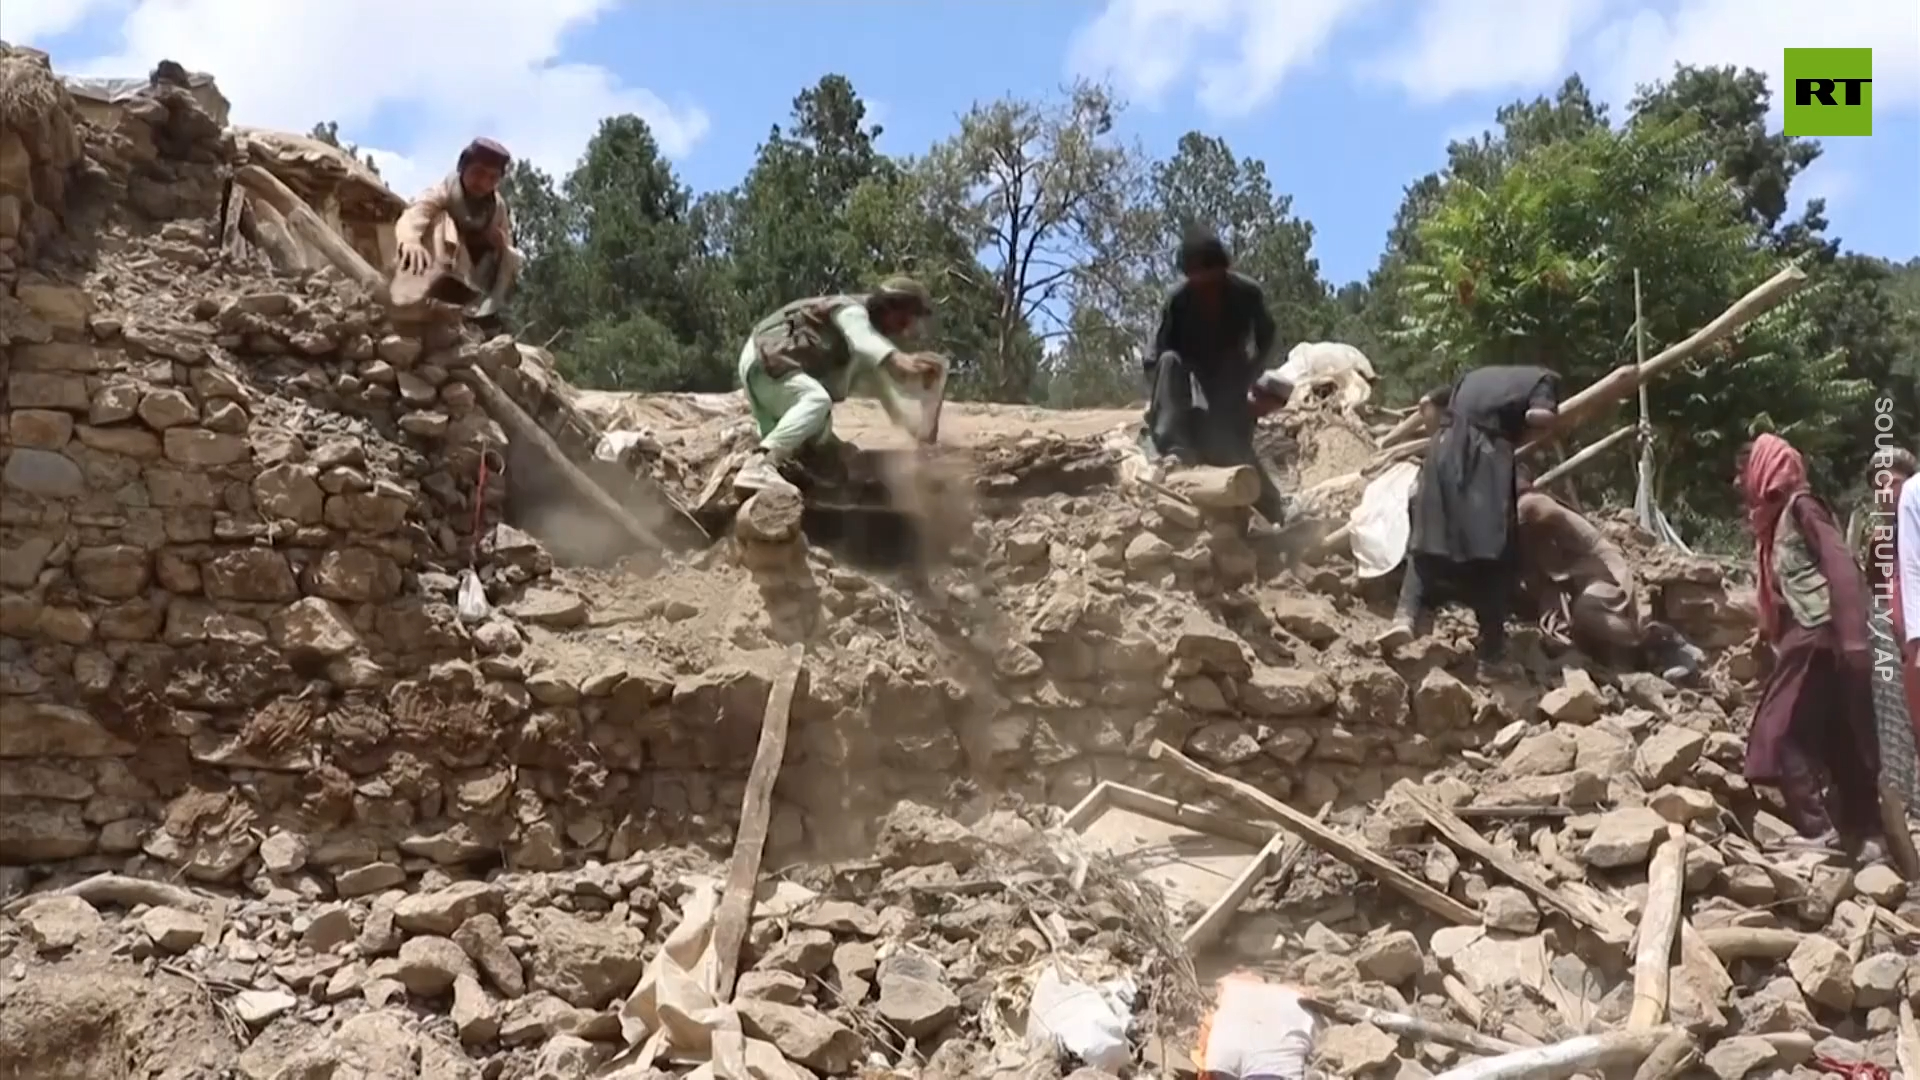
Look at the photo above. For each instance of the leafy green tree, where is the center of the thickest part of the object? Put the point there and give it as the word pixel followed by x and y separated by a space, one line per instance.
pixel 1730 105
pixel 1538 268
pixel 617 274
pixel 1041 184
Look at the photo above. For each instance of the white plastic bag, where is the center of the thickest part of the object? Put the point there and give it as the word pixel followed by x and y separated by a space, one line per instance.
pixel 1381 525
pixel 1258 1028
pixel 1088 1021
pixel 472 603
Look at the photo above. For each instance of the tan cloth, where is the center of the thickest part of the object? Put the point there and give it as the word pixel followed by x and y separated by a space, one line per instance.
pixel 1563 551
pixel 427 223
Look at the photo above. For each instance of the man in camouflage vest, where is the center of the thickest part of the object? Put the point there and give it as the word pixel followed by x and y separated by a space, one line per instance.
pixel 811 353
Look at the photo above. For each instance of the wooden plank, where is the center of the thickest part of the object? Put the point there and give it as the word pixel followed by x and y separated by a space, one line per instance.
pixel 743 874
pixel 1175 812
pixel 1282 853
pixel 1907 1048
pixel 1212 921
pixel 1586 454
pixel 308 225
pixel 1659 922
pixel 1352 852
pixel 523 429
pixel 1608 924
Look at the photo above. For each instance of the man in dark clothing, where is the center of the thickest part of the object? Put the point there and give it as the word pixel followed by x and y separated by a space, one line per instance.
pixel 1465 521
pixel 1214 339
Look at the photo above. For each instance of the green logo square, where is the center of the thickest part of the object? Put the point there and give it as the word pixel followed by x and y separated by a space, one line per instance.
pixel 1829 92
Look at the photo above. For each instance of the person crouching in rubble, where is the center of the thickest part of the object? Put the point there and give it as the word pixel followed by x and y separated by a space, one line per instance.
pixel 462 225
pixel 1464 543
pixel 1581 583
pixel 1213 343
pixel 808 355
pixel 1578 578
pixel 1813 733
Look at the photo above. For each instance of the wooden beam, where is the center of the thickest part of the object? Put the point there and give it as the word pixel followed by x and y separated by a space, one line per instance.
pixel 1893 823
pixel 1579 460
pixel 750 840
pixel 1411 1027
pixel 1659 922
pixel 1907 1045
pixel 1617 385
pixel 1611 927
pixel 309 226
pixel 1350 851
pixel 523 429
pixel 1583 1054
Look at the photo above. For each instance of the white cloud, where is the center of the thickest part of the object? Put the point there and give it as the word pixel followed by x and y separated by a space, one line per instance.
pixel 1239 52
pixel 448 70
pixel 1242 50
pixel 1468 46
pixel 1826 179
pixel 1460 47
pixel 24 22
pixel 1644 45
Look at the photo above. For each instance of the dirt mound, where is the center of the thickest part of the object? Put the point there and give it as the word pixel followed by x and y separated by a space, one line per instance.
pixel 93 1016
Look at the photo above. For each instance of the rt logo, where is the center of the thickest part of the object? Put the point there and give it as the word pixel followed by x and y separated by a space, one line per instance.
pixel 1829 92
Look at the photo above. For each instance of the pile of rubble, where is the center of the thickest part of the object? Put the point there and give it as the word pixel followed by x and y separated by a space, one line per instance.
pixel 355 824
pixel 915 956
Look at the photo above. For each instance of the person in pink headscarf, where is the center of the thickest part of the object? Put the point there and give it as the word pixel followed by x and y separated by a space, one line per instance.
pixel 1813 732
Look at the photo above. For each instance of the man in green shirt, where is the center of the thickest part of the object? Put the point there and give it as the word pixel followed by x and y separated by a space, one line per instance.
pixel 811 353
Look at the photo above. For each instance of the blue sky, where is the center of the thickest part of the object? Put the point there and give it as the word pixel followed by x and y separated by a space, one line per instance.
pixel 1346 100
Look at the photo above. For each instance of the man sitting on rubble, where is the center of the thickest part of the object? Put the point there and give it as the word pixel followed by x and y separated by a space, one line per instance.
pixel 1578 578
pixel 811 353
pixel 1213 343
pixel 461 226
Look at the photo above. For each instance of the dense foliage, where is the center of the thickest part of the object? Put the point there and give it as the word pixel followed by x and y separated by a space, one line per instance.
pixel 1048 242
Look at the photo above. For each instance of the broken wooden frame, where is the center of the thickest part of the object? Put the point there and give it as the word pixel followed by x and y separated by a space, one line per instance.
pixel 1270 855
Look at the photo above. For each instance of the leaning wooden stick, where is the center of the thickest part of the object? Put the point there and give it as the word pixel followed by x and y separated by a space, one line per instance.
pixel 307 225
pixel 1907 1049
pixel 1620 383
pixel 743 875
pixel 1411 1027
pixel 1350 851
pixel 1585 455
pixel 1659 922
pixel 1588 1053
pixel 1610 926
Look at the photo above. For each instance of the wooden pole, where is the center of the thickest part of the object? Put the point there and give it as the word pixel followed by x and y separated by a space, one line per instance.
pixel 1350 851
pixel 1580 459
pixel 522 428
pixel 1601 920
pixel 308 225
pixel 750 841
pixel 1614 387
pixel 1411 1027
pixel 1587 1053
pixel 1659 922
pixel 1643 477
pixel 1907 1047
